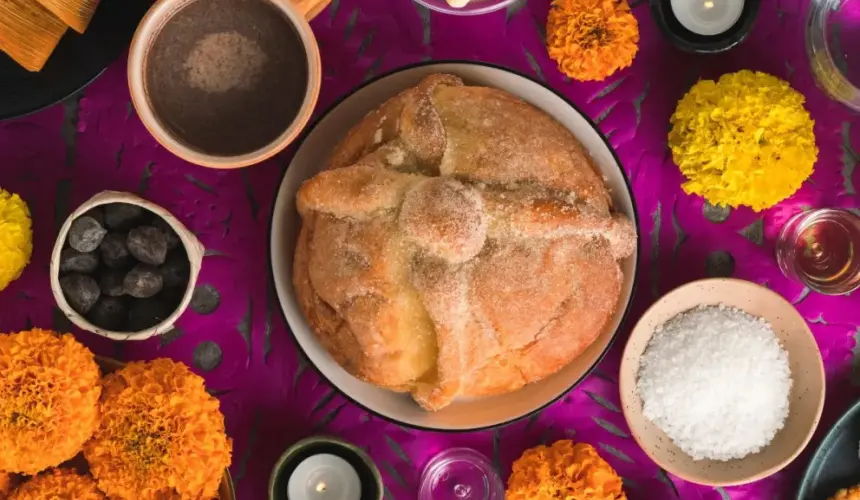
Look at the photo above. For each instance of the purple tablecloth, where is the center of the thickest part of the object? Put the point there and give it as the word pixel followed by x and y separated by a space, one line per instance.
pixel 58 158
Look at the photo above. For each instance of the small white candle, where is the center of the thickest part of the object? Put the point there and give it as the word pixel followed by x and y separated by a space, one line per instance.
pixel 324 477
pixel 707 17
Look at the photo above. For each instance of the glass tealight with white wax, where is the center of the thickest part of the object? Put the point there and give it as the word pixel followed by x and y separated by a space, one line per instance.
pixel 707 17
pixel 705 26
pixel 325 468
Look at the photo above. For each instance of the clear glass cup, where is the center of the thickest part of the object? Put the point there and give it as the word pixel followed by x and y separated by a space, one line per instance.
pixel 821 249
pixel 833 47
pixel 460 474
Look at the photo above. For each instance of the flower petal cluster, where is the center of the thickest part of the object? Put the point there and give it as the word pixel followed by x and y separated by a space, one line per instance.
pixel 16 237
pixel 49 393
pixel 162 435
pixel 591 39
pixel 563 471
pixel 743 140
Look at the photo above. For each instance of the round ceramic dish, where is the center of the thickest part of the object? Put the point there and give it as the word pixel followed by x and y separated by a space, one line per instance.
pixel 807 373
pixel 225 490
pixel 835 464
pixel 463 415
pixel 77 60
pixel 473 8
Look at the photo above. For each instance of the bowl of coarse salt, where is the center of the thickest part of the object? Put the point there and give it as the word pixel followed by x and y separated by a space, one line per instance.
pixel 722 382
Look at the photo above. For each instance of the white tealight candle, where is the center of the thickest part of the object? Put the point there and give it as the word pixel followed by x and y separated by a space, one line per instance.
pixel 324 477
pixel 707 17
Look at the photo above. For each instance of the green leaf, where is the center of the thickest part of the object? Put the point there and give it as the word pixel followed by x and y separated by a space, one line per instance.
pixel 602 116
pixel 616 453
pixel 329 417
pixel 513 9
pixel 754 232
pixel 202 185
pixel 324 400
pixel 534 64
pixel 605 91
pixel 397 449
pixel 610 427
pixel 246 325
pixel 396 475
pixel 609 405
pixel 143 184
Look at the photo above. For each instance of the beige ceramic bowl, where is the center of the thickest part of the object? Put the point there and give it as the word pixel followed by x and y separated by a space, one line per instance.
pixel 193 248
pixel 297 12
pixel 807 373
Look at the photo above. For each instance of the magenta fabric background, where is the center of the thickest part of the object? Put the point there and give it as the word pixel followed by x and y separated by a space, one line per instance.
pixel 59 157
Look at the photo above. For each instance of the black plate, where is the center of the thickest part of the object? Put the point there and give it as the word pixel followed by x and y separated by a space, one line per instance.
pixel 836 463
pixel 76 62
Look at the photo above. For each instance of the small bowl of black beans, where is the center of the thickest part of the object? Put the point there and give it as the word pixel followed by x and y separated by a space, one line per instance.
pixel 124 267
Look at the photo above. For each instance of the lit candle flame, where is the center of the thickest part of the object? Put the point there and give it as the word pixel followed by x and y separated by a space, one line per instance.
pixel 321 487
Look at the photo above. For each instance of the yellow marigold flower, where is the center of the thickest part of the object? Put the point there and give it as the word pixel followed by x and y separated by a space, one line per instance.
pixel 162 436
pixel 49 392
pixel 744 140
pixel 591 39
pixel 59 484
pixel 852 493
pixel 563 470
pixel 16 237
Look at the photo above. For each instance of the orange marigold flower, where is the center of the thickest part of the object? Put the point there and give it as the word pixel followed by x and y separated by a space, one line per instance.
pixel 59 484
pixel 162 436
pixel 49 393
pixel 5 485
pixel 563 470
pixel 591 39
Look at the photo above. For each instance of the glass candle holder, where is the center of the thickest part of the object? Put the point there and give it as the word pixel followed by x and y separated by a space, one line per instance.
pixel 325 468
pixel 819 248
pixel 833 47
pixel 460 474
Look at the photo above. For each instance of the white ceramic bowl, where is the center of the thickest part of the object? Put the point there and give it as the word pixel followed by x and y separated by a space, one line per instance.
pixel 463 415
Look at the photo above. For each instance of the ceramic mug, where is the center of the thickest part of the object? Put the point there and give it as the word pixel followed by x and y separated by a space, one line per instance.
pixel 296 13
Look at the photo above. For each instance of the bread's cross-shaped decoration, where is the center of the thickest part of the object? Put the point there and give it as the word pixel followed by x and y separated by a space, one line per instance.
pixel 459 243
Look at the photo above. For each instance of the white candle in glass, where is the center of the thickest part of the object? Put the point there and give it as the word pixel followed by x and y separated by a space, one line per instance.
pixel 707 17
pixel 324 477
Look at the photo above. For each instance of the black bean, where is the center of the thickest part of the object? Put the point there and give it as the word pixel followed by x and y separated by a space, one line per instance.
pixel 85 234
pixel 176 270
pixel 111 282
pixel 173 240
pixel 72 261
pixel 97 213
pixel 81 291
pixel 123 215
pixel 143 281
pixel 146 313
pixel 113 250
pixel 110 313
pixel 147 244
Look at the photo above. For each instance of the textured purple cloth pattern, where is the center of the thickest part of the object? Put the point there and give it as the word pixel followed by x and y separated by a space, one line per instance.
pixel 58 158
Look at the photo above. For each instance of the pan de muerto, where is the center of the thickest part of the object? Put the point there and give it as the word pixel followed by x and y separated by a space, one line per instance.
pixel 459 243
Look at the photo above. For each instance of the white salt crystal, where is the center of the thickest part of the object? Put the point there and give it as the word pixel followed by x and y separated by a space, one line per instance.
pixel 716 380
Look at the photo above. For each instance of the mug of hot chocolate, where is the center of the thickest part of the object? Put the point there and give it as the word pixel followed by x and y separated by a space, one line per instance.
pixel 226 83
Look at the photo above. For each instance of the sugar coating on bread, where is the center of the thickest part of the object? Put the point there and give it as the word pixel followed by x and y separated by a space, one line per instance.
pixel 459 243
